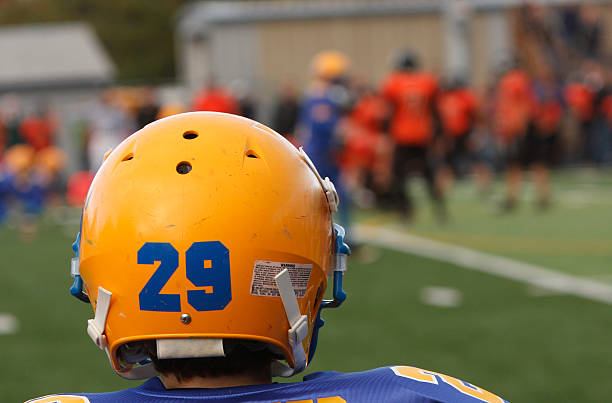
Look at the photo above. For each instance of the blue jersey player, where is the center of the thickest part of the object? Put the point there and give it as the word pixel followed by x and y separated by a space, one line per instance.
pixel 325 103
pixel 205 248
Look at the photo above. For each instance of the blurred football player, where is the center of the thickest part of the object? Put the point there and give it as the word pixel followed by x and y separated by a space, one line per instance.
pixel 38 129
pixel 411 94
pixel 215 98
pixel 77 188
pixel 514 104
pixel 457 109
pixel 235 225
pixel 326 102
pixel 26 186
pixel 365 155
pixel 107 124
pixel 542 138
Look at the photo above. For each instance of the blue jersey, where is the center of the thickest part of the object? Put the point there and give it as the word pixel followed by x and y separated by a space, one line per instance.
pixel 389 384
pixel 320 114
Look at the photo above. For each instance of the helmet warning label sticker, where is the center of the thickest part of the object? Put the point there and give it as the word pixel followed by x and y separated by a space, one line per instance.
pixel 263 284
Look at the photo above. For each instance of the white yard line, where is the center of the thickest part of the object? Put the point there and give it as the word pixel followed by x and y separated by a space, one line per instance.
pixel 8 323
pixel 538 276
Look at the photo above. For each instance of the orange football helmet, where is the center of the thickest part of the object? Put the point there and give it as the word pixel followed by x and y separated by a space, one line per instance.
pixel 207 226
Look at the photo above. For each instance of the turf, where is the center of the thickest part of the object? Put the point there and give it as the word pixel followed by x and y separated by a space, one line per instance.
pixel 574 235
pixel 501 337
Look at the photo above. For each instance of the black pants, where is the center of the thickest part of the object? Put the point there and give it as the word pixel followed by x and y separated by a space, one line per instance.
pixel 406 160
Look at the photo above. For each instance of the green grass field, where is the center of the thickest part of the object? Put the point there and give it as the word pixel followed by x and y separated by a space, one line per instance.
pixel 526 347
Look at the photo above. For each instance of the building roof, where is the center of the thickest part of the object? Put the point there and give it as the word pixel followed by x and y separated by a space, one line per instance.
pixel 41 56
pixel 196 18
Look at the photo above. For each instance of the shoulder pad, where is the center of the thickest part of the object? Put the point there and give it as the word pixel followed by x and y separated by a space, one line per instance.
pixel 60 399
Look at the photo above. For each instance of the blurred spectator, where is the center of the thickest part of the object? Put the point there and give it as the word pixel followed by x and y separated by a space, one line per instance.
pixel 411 95
pixel 247 106
pixel 38 129
pixel 25 186
pixel 169 109
pixel 11 115
pixel 107 126
pixel 77 188
pixel 49 163
pixel 286 111
pixel 148 109
pixel 589 32
pixel 216 99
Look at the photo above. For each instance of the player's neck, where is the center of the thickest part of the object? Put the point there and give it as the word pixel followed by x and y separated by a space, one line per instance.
pixel 223 381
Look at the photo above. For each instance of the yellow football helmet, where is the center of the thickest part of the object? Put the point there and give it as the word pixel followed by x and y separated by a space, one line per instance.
pixel 19 158
pixel 329 64
pixel 207 226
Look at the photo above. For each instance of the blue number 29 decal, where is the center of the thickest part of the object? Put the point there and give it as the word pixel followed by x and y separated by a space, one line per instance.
pixel 207 265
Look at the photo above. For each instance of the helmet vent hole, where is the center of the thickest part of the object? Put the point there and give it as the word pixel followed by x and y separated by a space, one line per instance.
pixel 128 157
pixel 190 135
pixel 183 167
pixel 252 154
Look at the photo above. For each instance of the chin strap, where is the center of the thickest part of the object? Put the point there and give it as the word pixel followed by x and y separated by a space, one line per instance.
pixel 95 326
pixel 95 330
pixel 298 330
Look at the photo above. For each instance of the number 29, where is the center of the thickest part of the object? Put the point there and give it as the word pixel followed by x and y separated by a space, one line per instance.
pixel 207 265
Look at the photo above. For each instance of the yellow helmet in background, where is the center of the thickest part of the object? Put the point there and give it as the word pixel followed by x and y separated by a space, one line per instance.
pixel 51 160
pixel 329 64
pixel 169 109
pixel 202 227
pixel 19 158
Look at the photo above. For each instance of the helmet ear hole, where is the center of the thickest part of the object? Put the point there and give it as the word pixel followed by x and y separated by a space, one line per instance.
pixel 183 167
pixel 127 157
pixel 190 135
pixel 251 154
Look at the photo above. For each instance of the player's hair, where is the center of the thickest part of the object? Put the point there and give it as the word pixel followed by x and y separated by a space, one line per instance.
pixel 240 356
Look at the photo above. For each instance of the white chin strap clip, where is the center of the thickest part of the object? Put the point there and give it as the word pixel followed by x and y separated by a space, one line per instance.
pixel 95 330
pixel 298 323
pixel 95 326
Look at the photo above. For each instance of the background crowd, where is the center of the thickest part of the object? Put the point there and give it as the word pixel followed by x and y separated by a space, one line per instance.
pixel 548 104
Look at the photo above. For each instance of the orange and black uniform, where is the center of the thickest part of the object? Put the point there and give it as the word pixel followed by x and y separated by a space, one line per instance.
pixel 547 112
pixel 580 100
pixel 457 112
pixel 513 111
pixel 411 96
pixel 364 139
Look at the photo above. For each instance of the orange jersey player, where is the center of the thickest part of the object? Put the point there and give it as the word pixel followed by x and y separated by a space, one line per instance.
pixel 457 110
pixel 581 101
pixel 411 95
pixel 364 136
pixel 513 105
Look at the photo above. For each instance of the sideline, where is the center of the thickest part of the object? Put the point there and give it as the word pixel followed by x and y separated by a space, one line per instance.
pixel 534 275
